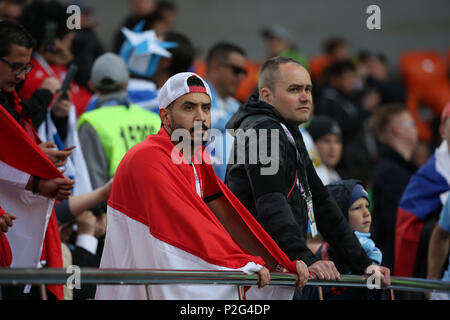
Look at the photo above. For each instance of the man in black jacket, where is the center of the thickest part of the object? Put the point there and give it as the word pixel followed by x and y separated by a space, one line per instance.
pixel 282 201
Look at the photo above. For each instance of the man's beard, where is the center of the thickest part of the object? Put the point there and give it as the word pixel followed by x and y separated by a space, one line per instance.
pixel 174 126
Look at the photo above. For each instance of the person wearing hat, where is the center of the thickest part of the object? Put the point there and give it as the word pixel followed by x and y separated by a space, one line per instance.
pixel 353 200
pixel 109 131
pixel 280 42
pixel 168 209
pixel 327 136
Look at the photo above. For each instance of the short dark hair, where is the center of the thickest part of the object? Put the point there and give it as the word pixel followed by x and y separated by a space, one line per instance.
pixel 13 33
pixel 383 115
pixel 332 43
pixel 182 55
pixel 39 16
pixel 194 81
pixel 220 51
pixel 269 71
pixel 339 67
pixel 158 14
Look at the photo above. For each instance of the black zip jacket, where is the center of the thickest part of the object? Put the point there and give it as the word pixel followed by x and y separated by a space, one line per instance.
pixel 276 201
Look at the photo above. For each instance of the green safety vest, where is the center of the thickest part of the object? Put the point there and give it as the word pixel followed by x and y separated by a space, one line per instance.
pixel 120 128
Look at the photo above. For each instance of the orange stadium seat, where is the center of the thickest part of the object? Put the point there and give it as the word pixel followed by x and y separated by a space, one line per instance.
pixel 426 80
pixel 200 67
pixel 250 82
pixel 317 64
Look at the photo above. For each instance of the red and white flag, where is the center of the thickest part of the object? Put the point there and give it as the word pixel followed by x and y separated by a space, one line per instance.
pixel 20 157
pixel 157 220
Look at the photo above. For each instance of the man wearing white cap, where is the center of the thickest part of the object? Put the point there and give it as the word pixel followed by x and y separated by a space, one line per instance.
pixel 164 213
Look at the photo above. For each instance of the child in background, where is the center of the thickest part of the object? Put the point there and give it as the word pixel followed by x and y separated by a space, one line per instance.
pixel 353 201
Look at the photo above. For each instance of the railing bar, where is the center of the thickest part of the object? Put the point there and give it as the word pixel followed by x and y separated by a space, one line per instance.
pixel 159 277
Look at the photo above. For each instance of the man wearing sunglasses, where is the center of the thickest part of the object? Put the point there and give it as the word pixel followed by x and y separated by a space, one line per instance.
pixel 225 71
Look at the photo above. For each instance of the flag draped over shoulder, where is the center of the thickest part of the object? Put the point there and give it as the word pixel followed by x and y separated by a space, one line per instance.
pixel 35 216
pixel 19 151
pixel 165 224
pixel 424 194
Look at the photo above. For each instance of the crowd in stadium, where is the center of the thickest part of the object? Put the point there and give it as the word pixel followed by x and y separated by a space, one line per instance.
pixel 363 161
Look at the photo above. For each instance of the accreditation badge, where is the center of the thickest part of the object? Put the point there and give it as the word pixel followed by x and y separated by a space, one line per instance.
pixel 312 219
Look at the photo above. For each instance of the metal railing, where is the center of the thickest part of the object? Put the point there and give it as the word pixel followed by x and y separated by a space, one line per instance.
pixel 16 276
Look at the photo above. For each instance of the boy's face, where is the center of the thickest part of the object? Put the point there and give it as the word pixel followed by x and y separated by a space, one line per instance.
pixel 359 215
pixel 329 148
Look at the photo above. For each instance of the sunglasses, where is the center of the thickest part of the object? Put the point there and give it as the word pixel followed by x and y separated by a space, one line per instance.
pixel 236 69
pixel 18 68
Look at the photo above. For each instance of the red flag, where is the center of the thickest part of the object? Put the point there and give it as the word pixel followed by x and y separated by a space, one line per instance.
pixel 20 151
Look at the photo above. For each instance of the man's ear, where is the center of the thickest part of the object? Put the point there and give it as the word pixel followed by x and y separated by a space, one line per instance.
pixel 164 114
pixel 266 95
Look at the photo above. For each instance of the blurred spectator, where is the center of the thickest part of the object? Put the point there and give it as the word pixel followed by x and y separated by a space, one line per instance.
pixel 377 76
pixel 181 59
pixel 86 44
pixel 396 131
pixel 109 131
pixel 337 49
pixel 438 251
pixel 280 42
pixel 311 147
pixel 225 71
pixel 162 20
pixel 174 55
pixel 11 9
pixel 47 23
pixel 340 101
pixel 139 10
pixel 151 68
pixel 420 206
pixel 327 138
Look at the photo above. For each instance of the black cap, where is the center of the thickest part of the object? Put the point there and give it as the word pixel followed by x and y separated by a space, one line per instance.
pixel 321 125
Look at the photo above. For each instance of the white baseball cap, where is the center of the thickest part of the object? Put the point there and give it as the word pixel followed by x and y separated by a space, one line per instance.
pixel 177 86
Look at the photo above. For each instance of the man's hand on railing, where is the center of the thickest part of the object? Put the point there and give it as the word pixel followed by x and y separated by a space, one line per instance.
pixel 263 277
pixel 302 274
pixel 324 270
pixel 383 272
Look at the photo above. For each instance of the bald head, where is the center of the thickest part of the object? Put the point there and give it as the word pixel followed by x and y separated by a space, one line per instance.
pixel 269 73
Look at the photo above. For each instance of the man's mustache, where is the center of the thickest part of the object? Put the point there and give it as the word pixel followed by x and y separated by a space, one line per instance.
pixel 204 127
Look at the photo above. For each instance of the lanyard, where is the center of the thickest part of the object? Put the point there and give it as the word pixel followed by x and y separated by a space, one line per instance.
pixel 198 183
pixel 306 194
